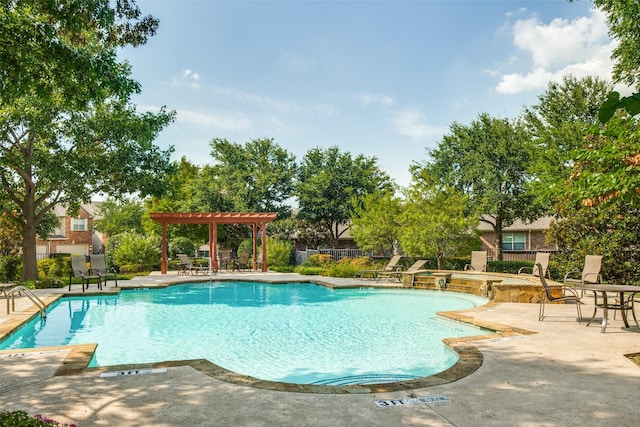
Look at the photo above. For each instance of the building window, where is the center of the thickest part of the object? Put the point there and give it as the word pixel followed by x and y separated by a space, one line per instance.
pixel 513 241
pixel 59 231
pixel 78 224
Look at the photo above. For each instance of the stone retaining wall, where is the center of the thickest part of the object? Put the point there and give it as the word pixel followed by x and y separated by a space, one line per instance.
pixel 498 290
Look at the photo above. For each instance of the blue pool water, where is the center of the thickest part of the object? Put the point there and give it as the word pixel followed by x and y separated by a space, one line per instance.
pixel 297 333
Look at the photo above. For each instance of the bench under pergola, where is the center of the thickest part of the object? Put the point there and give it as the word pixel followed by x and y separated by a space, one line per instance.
pixel 255 220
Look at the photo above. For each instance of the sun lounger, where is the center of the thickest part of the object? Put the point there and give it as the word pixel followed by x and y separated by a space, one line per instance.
pixel 392 265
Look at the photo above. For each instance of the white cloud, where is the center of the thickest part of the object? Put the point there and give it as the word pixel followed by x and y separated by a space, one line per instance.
pixel 226 122
pixel 413 124
pixel 326 110
pixel 374 99
pixel 189 78
pixel 580 47
pixel 190 75
pixel 511 84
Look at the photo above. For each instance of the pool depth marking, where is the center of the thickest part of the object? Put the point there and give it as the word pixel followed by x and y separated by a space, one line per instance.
pixel 133 372
pixel 412 401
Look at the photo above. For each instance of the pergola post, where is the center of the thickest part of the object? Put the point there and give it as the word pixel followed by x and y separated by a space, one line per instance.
pixel 215 247
pixel 264 247
pixel 254 232
pixel 210 246
pixel 163 262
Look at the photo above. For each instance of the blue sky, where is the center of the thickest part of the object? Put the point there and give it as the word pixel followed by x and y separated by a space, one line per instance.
pixel 380 78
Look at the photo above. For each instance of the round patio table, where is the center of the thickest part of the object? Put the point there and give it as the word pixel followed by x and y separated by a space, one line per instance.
pixel 621 303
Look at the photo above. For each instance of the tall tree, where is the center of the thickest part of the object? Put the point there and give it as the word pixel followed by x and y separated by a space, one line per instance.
pixel 375 224
pixel 486 160
pixel 557 125
pixel 257 176
pixel 623 18
pixel 180 196
pixel 434 222
pixel 119 217
pixel 67 128
pixel 330 182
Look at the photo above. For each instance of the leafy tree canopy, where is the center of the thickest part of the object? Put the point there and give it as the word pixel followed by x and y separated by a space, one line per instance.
pixel 67 129
pixel 119 217
pixel 435 223
pixel 610 230
pixel 557 125
pixel 66 50
pixel 256 177
pixel 375 224
pixel 607 167
pixel 623 18
pixel 329 181
pixel 487 161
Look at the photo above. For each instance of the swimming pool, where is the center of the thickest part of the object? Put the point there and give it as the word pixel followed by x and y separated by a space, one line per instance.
pixel 296 333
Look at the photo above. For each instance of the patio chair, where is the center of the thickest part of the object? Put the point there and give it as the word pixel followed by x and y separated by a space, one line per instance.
pixel 4 287
pixel 79 270
pixel 392 265
pixel 188 267
pixel 542 258
pixel 590 272
pixel 225 259
pixel 556 293
pixel 243 262
pixel 99 267
pixel 478 261
pixel 397 275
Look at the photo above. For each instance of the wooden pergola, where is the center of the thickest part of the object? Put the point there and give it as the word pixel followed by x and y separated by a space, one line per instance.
pixel 254 219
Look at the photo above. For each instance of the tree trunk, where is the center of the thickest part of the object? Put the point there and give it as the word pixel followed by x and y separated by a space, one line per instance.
pixel 29 257
pixel 498 230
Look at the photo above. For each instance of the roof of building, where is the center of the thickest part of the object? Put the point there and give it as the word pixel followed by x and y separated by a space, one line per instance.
pixel 92 209
pixel 520 225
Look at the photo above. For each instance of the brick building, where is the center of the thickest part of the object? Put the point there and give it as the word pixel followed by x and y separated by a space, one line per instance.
pixel 518 237
pixel 75 235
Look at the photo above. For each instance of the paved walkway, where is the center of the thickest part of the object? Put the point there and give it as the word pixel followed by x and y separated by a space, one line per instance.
pixel 565 374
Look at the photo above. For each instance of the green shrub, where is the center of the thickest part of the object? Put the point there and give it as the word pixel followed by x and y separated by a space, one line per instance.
pixel 181 245
pixel 309 271
pixel 10 268
pixel 135 268
pixel 319 260
pixel 134 249
pixel 50 268
pixel 343 268
pixel 278 252
pixel 283 269
pixel 365 263
pixel 46 283
pixel 112 245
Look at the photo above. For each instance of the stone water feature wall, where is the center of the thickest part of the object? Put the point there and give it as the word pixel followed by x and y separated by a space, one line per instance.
pixel 495 286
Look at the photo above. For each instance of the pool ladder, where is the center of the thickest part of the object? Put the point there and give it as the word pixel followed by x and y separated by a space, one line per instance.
pixel 34 299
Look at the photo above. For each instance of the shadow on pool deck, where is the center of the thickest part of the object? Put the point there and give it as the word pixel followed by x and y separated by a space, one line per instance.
pixel 522 377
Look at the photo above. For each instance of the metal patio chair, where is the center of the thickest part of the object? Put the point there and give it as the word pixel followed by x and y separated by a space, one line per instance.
pixel 556 293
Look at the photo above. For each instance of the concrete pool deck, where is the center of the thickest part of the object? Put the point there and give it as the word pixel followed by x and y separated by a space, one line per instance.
pixel 562 374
